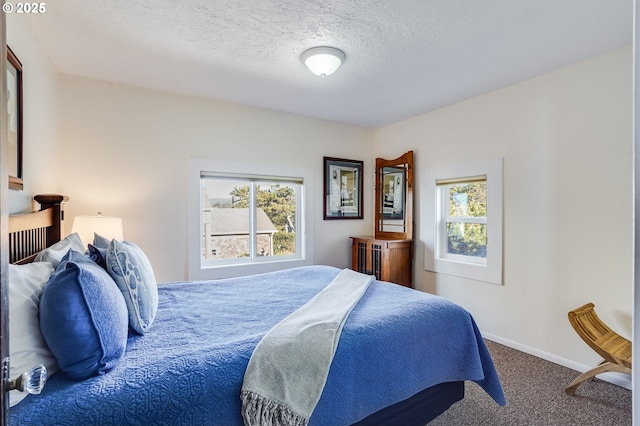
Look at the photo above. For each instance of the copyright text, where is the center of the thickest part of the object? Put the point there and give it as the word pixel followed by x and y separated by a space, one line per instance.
pixel 24 7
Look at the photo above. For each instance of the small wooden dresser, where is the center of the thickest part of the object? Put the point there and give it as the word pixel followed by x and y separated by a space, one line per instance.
pixel 387 259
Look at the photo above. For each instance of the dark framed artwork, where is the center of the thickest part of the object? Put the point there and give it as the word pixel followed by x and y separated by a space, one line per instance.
pixel 342 188
pixel 14 120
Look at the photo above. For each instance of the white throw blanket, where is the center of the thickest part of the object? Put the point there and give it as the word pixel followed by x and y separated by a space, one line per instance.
pixel 289 367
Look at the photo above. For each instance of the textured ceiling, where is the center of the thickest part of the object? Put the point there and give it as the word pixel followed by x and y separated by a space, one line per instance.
pixel 404 57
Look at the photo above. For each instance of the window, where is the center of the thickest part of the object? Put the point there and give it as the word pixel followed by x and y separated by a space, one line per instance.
pixel 463 232
pixel 246 218
pixel 463 220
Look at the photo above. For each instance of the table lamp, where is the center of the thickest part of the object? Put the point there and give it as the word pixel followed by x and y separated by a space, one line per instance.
pixel 107 226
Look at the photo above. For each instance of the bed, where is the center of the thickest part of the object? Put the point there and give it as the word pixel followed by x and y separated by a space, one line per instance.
pixel 402 358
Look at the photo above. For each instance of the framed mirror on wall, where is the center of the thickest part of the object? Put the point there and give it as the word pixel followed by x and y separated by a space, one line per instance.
pixel 14 120
pixel 394 197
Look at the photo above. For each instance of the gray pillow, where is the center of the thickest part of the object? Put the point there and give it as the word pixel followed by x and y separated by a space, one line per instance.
pixel 57 251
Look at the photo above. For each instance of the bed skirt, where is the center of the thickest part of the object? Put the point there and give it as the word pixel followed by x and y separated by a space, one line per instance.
pixel 419 409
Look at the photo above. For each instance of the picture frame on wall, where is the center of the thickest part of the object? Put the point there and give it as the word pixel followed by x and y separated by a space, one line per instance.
pixel 14 121
pixel 342 188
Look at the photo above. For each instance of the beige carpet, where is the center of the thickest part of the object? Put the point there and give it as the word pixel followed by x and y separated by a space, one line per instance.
pixel 534 389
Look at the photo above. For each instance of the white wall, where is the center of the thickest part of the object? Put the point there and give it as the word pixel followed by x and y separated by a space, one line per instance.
pixel 125 151
pixel 566 140
pixel 40 98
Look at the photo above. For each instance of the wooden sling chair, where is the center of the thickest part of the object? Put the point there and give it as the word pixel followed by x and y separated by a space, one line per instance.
pixel 615 349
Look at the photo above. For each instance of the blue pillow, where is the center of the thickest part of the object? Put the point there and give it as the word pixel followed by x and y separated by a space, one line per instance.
pixel 83 317
pixel 100 242
pixel 130 269
pixel 98 250
pixel 98 255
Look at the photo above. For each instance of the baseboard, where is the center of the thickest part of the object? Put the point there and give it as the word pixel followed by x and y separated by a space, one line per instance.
pixel 623 380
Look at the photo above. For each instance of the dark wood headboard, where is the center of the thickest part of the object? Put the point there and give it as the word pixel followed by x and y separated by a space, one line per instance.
pixel 30 233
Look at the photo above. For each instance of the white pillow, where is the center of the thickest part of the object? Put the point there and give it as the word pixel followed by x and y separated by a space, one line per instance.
pixel 27 347
pixel 57 251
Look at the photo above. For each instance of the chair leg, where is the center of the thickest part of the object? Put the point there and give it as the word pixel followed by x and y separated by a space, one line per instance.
pixel 603 367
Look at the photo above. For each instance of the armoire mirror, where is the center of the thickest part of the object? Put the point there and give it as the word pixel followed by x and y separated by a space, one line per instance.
pixel 394 197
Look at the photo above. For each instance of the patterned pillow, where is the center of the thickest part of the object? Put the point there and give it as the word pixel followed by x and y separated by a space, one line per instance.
pixel 130 269
pixel 83 317
pixel 98 255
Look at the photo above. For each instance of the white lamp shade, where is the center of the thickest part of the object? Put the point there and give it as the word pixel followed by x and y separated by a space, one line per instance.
pixel 323 61
pixel 107 226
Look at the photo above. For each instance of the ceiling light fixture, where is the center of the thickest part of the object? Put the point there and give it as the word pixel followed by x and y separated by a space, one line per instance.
pixel 323 60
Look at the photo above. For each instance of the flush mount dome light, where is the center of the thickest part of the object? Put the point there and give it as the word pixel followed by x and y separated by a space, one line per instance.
pixel 323 61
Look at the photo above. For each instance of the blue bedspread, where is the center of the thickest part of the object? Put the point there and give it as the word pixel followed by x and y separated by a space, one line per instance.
pixel 188 369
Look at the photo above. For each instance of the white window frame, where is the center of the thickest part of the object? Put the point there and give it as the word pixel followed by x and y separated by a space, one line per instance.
pixel 433 212
pixel 198 268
